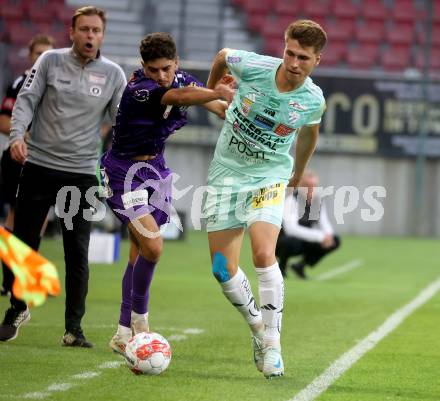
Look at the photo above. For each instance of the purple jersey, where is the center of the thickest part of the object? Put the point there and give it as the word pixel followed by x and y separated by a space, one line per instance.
pixel 143 124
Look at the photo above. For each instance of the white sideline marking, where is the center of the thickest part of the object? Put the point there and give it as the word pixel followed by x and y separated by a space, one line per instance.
pixel 354 264
pixel 90 374
pixel 341 365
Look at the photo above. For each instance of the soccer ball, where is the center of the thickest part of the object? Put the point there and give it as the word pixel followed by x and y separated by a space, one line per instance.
pixel 148 353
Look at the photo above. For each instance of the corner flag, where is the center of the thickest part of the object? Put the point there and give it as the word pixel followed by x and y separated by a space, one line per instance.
pixel 35 276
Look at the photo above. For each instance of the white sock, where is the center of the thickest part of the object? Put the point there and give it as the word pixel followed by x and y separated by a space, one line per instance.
pixel 271 290
pixel 139 316
pixel 124 332
pixel 239 292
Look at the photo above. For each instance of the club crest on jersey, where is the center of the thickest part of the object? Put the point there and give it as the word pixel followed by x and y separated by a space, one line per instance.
pixel 297 106
pixel 95 90
pixel 283 130
pixel 141 95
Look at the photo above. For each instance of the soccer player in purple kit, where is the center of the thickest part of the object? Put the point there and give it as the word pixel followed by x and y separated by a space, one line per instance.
pixel 136 179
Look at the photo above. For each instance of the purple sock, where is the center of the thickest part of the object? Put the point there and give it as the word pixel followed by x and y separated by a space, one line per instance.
pixel 142 276
pixel 127 280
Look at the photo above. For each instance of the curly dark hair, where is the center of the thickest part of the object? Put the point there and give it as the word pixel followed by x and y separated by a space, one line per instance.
pixel 158 45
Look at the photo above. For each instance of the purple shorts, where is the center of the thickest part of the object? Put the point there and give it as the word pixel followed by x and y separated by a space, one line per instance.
pixel 137 188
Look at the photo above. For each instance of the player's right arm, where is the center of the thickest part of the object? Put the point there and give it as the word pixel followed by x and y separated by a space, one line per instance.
pixel 27 101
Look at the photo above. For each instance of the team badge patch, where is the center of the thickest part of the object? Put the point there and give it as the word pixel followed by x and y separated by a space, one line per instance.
pixel 95 90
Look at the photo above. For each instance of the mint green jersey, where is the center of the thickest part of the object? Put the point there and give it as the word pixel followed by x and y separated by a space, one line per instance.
pixel 261 122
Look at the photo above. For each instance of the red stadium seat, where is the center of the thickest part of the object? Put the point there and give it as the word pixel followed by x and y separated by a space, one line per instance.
pixel 345 9
pixel 333 54
pixel 274 28
pixel 363 57
pixel 317 9
pixel 288 8
pixel 341 30
pixel 396 58
pixel 274 48
pixel 371 32
pixel 404 11
pixel 434 59
pixel 434 37
pixel 44 13
pixel 12 11
pixel 374 10
pixel 401 34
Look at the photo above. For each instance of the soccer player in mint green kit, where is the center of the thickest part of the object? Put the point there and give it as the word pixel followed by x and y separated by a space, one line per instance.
pixel 276 103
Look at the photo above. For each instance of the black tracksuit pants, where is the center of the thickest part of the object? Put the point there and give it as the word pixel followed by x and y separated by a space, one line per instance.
pixel 38 189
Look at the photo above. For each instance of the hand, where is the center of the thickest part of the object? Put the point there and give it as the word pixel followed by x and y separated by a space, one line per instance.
pixel 19 151
pixel 328 241
pixel 221 111
pixel 294 181
pixel 229 80
pixel 225 92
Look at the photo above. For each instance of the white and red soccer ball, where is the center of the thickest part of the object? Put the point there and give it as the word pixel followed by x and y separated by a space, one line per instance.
pixel 148 353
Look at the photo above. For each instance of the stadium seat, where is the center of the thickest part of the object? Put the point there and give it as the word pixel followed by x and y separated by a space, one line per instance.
pixel 434 37
pixel 19 34
pixel 436 12
pixel 341 30
pixel 44 13
pixel 363 57
pixel 401 34
pixel 404 11
pixel 344 9
pixel 274 48
pixel 371 32
pixel 317 9
pixel 12 11
pixel 396 58
pixel 434 56
pixel 288 8
pixel 273 28
pixel 333 54
pixel 374 10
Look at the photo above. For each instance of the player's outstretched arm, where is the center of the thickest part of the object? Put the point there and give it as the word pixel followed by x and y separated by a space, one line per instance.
pixel 304 148
pixel 192 95
pixel 218 107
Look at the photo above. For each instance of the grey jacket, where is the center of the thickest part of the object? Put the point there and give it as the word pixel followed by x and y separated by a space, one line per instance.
pixel 66 103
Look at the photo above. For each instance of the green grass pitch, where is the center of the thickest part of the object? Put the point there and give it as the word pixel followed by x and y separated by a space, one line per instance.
pixel 211 344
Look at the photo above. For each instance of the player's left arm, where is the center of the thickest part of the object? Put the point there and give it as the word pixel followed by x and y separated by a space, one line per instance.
pixel 219 68
pixel 305 146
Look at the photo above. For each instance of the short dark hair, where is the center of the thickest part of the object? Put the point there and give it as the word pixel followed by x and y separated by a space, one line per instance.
pixel 89 10
pixel 307 33
pixel 158 45
pixel 41 39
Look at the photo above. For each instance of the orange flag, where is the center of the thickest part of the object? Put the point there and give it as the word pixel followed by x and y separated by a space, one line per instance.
pixel 35 276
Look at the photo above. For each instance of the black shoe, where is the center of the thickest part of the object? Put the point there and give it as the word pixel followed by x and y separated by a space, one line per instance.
pixel 75 340
pixel 3 291
pixel 298 269
pixel 14 318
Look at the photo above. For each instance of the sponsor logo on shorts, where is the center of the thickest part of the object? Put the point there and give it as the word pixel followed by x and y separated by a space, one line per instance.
pixel 135 198
pixel 268 196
